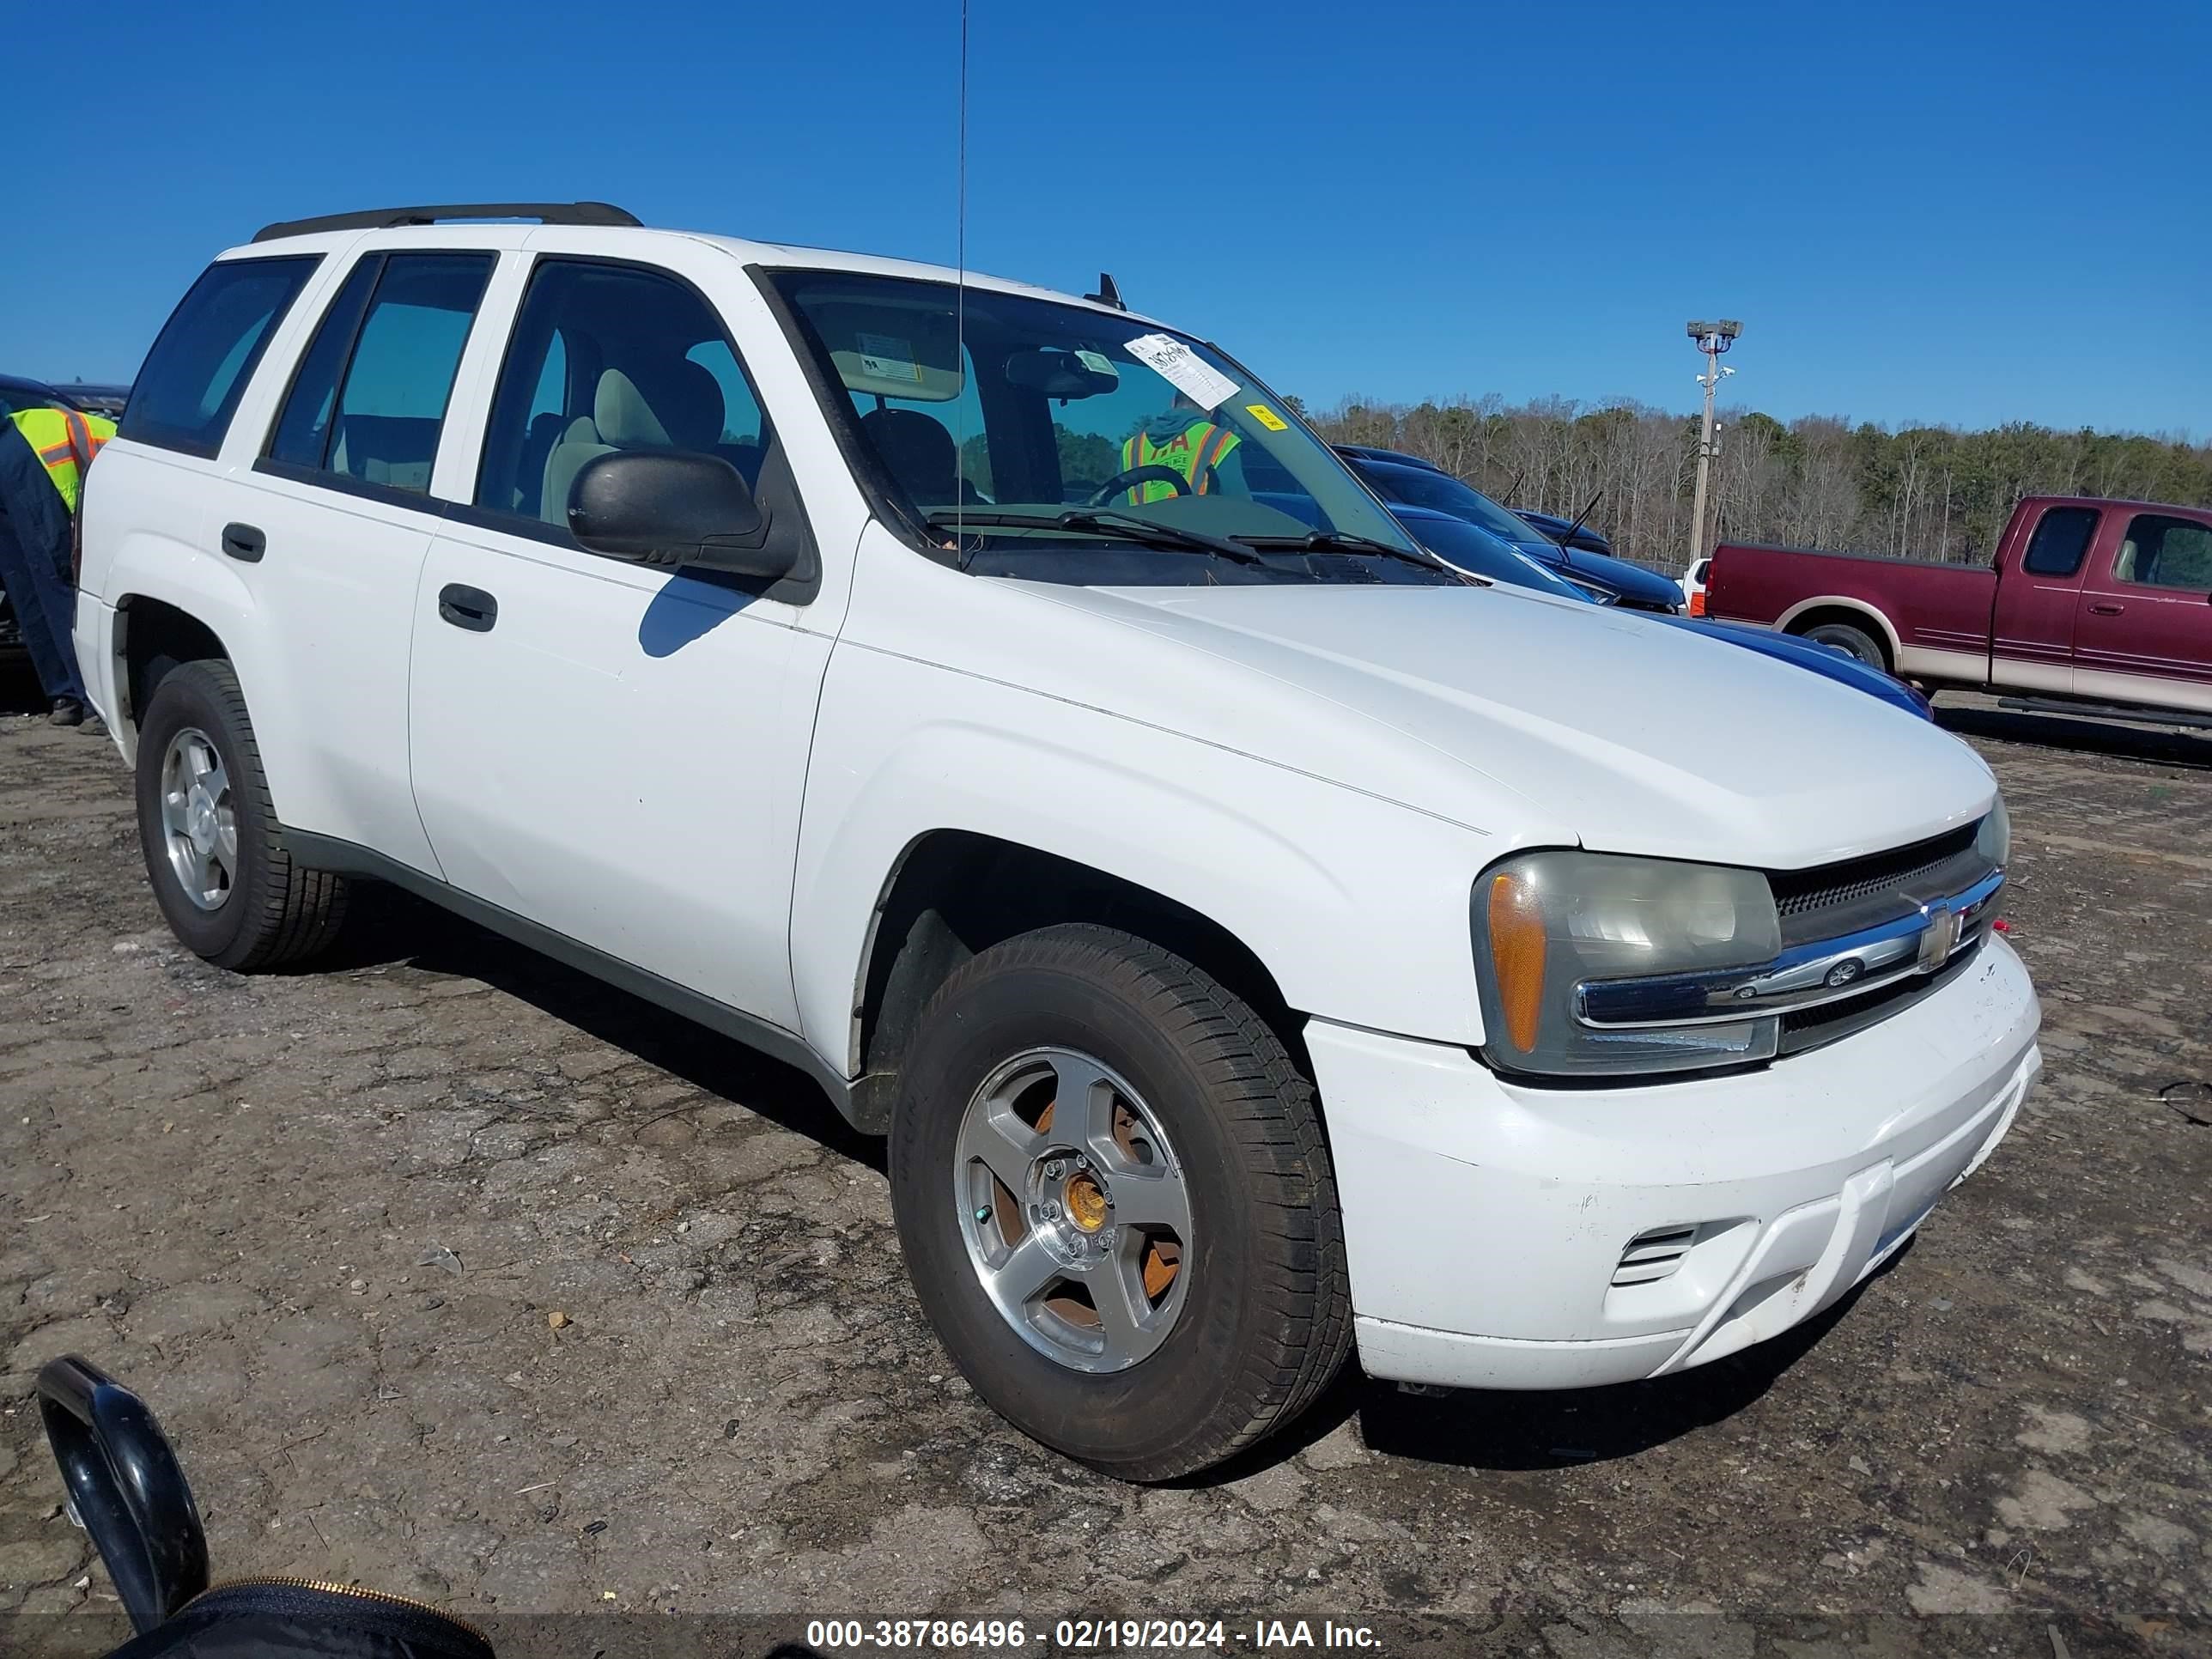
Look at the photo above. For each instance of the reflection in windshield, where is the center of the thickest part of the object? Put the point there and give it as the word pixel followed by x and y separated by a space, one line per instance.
pixel 1447 495
pixel 1471 548
pixel 1018 409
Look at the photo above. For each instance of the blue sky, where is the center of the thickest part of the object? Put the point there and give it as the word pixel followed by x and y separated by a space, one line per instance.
pixel 1959 213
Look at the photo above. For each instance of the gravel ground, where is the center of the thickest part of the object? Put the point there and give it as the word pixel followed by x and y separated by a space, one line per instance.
pixel 455 1273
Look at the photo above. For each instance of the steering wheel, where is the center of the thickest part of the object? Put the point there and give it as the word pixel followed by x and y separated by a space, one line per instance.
pixel 1133 477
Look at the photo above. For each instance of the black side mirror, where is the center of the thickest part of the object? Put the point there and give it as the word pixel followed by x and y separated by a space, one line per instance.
pixel 125 1488
pixel 672 506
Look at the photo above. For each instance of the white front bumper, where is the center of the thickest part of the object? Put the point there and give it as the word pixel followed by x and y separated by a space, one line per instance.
pixel 1485 1221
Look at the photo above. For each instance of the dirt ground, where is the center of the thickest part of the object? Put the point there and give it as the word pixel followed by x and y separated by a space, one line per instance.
pixel 454 1273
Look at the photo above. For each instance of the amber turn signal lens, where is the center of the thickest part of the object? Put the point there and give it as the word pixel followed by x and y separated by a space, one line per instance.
pixel 1517 951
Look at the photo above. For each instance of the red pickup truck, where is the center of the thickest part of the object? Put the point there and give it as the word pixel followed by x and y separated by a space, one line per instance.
pixel 2102 602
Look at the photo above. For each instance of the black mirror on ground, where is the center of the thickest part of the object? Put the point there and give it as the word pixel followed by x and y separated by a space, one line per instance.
pixel 126 1487
pixel 672 506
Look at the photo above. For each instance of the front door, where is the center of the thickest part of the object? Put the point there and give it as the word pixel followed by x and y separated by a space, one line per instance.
pixel 2145 630
pixel 611 751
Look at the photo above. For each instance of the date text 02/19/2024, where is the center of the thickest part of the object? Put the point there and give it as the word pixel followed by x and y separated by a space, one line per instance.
pixel 1086 1635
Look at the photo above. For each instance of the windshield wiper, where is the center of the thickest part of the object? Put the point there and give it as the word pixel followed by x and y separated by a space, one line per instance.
pixel 1101 521
pixel 1341 541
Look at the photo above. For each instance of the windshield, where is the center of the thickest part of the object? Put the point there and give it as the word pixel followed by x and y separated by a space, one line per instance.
pixel 1030 410
pixel 1421 487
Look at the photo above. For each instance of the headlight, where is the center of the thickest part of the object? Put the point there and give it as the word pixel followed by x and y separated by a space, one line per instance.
pixel 1546 923
pixel 1993 841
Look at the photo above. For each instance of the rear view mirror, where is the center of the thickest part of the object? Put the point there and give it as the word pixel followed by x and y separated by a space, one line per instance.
pixel 1062 374
pixel 126 1489
pixel 672 507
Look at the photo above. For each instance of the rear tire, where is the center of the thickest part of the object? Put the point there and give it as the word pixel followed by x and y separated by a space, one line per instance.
pixel 1253 1318
pixel 1856 640
pixel 214 848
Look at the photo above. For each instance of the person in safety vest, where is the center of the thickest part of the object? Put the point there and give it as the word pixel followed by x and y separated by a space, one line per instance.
pixel 1185 439
pixel 44 456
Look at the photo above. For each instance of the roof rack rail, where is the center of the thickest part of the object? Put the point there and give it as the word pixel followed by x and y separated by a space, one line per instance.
pixel 550 213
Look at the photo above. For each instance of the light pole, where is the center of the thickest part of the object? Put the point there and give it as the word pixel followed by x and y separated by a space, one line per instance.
pixel 1712 339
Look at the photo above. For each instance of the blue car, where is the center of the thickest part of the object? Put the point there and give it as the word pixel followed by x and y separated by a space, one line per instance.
pixel 1453 539
pixel 1409 480
pixel 1565 531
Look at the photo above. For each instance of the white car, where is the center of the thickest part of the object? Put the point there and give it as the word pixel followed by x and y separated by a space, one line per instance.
pixel 1256 941
pixel 1692 585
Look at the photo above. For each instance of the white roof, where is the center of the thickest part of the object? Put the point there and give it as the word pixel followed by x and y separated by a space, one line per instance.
pixel 637 239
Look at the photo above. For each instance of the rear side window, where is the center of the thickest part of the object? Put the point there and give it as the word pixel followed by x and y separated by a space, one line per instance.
pixel 189 389
pixel 2060 542
pixel 369 401
pixel 302 437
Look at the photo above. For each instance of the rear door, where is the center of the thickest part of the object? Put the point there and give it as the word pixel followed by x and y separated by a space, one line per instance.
pixel 615 751
pixel 150 523
pixel 2033 623
pixel 2145 628
pixel 334 519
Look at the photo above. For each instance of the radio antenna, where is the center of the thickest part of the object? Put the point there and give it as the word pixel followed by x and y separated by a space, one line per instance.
pixel 960 308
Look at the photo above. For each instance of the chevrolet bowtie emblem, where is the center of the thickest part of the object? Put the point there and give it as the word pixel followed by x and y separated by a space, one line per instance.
pixel 1937 939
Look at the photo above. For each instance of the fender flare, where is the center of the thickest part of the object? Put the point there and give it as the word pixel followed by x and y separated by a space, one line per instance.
pixel 1841 602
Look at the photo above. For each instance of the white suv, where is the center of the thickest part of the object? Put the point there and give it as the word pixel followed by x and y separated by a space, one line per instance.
pixel 1255 938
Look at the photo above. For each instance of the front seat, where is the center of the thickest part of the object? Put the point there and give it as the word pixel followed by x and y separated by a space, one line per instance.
pixel 622 418
pixel 917 450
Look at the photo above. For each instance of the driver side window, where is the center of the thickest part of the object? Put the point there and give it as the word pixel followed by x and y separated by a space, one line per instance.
pixel 611 358
pixel 2161 551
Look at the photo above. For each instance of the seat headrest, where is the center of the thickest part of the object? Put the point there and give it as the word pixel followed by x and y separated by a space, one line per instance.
pixel 623 416
pixel 689 400
pixel 679 407
pixel 918 452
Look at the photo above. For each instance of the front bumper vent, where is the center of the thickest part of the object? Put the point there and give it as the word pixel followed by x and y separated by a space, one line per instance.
pixel 1653 1256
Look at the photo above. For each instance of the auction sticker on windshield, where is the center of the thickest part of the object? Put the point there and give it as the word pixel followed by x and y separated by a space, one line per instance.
pixel 1183 369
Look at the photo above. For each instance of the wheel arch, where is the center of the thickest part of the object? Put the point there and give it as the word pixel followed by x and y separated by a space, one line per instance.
pixel 1809 613
pixel 954 893
pixel 153 636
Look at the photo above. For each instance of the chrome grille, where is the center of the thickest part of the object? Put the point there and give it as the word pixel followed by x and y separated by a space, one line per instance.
pixel 1837 898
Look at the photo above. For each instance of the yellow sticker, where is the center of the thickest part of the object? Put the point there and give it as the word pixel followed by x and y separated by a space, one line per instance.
pixel 1266 417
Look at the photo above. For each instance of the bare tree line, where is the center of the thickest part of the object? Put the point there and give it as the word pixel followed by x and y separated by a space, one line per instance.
pixel 1819 481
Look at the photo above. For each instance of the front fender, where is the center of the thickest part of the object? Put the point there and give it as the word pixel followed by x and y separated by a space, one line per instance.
pixel 1357 906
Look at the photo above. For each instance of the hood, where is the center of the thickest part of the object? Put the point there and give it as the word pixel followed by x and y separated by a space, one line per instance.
pixel 1838 665
pixel 1536 718
pixel 1618 575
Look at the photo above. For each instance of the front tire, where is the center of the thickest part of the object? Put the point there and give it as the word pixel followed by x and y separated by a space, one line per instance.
pixel 215 851
pixel 1117 1203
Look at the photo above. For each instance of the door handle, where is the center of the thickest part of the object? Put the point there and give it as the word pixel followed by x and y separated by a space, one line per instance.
pixel 2106 610
pixel 467 607
pixel 244 542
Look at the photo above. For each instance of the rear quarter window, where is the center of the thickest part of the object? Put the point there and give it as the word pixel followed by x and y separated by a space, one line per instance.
pixel 2061 541
pixel 185 395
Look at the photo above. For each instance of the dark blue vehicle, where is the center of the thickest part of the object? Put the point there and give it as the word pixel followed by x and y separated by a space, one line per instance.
pixel 1565 531
pixel 1453 539
pixel 1408 480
